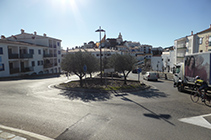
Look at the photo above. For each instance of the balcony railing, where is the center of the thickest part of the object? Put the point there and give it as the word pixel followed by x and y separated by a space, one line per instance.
pixel 47 55
pixel 21 56
pixel 26 55
pixel 13 56
pixel 14 70
pixel 181 46
pixel 48 65
pixel 27 69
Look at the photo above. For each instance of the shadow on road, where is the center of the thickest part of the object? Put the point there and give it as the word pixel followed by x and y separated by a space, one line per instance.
pixel 152 114
pixel 150 93
pixel 87 96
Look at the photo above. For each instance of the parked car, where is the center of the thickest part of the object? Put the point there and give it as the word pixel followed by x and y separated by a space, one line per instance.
pixel 150 76
pixel 135 71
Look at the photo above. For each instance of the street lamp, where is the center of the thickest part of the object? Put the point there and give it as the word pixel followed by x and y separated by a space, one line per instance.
pixel 100 30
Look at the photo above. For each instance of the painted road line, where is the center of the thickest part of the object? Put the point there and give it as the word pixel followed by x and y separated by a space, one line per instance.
pixel 27 133
pixel 198 120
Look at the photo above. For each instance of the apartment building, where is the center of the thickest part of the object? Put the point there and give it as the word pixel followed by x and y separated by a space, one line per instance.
pixel 27 54
pixel 204 40
pixel 194 43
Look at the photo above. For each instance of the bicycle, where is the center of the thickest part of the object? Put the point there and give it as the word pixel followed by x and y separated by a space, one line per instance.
pixel 205 97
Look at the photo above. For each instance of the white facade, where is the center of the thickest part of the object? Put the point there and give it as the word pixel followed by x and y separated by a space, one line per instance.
pixel 156 63
pixel 27 54
pixel 96 52
pixel 168 60
pixel 180 49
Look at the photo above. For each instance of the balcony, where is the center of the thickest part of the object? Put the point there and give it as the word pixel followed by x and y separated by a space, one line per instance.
pixel 181 46
pixel 26 56
pixel 47 55
pixel 27 69
pixel 14 70
pixel 48 65
pixel 13 56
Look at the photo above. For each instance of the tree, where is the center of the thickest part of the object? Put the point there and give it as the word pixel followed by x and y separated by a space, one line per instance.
pixel 122 63
pixel 75 62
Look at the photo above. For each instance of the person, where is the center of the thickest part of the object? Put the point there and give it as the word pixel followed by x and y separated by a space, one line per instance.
pixel 190 67
pixel 202 85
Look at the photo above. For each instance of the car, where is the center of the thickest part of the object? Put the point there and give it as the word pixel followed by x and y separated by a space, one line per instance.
pixel 150 76
pixel 135 71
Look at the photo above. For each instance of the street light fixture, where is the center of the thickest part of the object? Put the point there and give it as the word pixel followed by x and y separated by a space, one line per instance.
pixel 100 30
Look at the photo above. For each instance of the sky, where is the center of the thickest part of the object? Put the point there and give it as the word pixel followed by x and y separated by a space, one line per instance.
pixel 153 22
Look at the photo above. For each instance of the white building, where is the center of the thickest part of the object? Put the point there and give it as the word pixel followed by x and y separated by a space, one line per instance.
pixel 95 51
pixel 186 45
pixel 168 61
pixel 156 63
pixel 26 54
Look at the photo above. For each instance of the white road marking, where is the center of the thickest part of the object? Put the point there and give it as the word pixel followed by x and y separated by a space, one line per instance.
pixel 198 120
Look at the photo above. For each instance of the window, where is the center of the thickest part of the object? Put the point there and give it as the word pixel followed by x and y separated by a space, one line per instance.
pixel 200 40
pixel 58 60
pixel 58 44
pixel 59 52
pixel 39 51
pixel 210 41
pixel 33 64
pixel 1 67
pixel 31 51
pixel 41 62
pixel 38 63
pixel 1 50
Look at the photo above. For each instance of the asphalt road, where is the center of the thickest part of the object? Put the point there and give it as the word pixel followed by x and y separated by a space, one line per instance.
pixel 158 113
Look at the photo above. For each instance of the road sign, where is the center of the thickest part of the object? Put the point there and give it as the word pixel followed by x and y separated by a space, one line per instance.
pixel 85 68
pixel 139 70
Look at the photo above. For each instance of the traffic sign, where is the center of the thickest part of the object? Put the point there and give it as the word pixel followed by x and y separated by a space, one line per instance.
pixel 85 68
pixel 139 70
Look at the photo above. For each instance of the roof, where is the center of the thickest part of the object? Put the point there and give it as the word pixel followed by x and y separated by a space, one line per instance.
pixel 32 35
pixel 207 30
pixel 92 50
pixel 19 43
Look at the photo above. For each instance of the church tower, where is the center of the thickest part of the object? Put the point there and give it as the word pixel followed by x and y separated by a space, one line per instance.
pixel 119 39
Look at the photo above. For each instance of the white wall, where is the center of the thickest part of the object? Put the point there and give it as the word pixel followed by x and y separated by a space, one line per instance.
pixel 4 60
pixel 156 63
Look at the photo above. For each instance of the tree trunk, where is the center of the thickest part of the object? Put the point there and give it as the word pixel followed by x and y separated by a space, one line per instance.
pixel 81 82
pixel 125 78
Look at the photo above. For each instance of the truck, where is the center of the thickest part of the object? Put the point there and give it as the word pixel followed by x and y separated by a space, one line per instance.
pixel 197 64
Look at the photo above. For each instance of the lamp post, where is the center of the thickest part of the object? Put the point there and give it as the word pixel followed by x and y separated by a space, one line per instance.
pixel 100 30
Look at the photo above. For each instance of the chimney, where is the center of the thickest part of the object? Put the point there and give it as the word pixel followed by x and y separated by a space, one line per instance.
pixel 191 32
pixel 44 35
pixel 22 31
pixel 35 33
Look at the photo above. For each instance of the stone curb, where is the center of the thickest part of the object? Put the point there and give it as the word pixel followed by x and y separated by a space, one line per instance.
pixel 101 91
pixel 23 133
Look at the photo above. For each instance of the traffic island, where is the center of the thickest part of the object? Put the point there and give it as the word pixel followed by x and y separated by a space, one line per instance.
pixel 107 84
pixel 94 90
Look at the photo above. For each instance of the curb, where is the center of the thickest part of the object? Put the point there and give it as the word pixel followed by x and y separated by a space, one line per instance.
pixel 25 133
pixel 101 91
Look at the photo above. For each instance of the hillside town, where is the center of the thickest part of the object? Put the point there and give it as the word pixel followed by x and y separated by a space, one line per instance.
pixel 30 53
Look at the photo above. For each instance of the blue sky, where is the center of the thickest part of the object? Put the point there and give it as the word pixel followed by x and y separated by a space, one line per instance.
pixel 153 22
